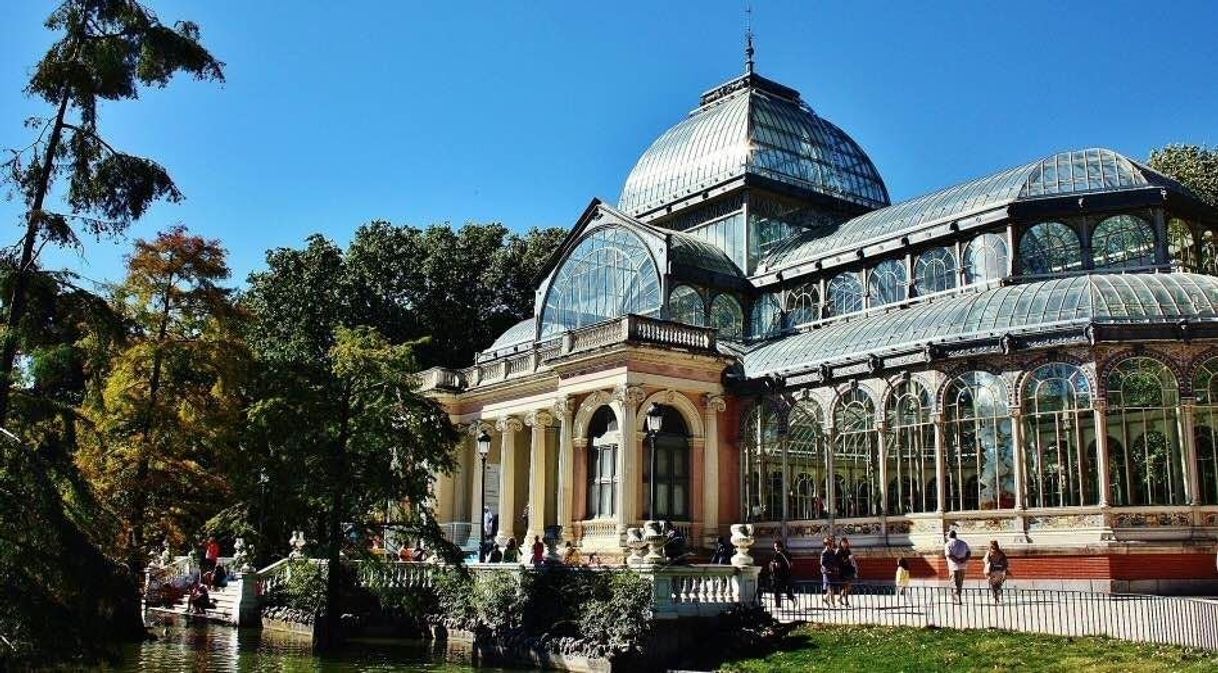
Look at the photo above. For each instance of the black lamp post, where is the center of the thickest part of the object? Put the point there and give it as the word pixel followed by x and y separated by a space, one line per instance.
pixel 484 447
pixel 654 419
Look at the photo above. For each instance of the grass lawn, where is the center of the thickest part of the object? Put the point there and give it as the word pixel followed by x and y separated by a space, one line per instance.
pixel 843 649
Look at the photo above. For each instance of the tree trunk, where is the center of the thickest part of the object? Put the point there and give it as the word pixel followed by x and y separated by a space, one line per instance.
pixel 21 280
pixel 330 633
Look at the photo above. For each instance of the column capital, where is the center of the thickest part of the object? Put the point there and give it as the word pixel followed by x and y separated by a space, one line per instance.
pixel 564 406
pixel 539 418
pixel 1015 412
pixel 1100 404
pixel 632 396
pixel 509 424
pixel 478 426
pixel 714 404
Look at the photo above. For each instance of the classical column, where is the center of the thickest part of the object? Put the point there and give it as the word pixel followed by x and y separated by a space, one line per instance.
pixel 1192 480
pixel 473 463
pixel 538 421
pixel 507 426
pixel 442 494
pixel 1101 453
pixel 713 406
pixel 563 407
pixel 940 464
pixel 629 484
pixel 1017 458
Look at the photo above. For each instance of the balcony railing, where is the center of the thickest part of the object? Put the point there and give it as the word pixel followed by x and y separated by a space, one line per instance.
pixel 635 329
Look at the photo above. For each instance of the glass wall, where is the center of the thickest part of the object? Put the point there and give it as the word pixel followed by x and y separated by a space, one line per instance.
pixel 980 467
pixel 985 258
pixel 889 282
pixel 609 274
pixel 1205 430
pixel 1050 247
pixel 766 319
pixel 845 294
pixel 761 433
pixel 807 462
pixel 685 305
pixel 727 317
pixel 1059 438
pixel 855 456
pixel 803 304
pixel 1144 447
pixel 910 450
pixel 935 271
pixel 1123 242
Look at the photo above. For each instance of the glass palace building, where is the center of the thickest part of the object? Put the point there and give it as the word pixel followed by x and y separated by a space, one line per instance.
pixel 1027 357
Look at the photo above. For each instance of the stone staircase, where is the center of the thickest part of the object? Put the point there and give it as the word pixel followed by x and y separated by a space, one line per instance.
pixel 224 608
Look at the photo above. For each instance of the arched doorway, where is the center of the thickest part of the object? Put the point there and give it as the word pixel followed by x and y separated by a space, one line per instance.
pixel 672 469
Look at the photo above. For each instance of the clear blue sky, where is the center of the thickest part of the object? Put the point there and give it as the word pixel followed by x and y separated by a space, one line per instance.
pixel 336 113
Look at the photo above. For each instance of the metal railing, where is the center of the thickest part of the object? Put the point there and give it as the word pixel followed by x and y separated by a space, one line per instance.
pixel 1188 622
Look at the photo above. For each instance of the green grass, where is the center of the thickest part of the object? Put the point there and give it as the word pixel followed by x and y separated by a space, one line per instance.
pixel 845 649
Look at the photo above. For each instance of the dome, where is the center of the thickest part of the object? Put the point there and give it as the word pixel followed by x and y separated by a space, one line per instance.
pixel 752 126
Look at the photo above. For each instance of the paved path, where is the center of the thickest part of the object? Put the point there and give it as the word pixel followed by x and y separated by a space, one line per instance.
pixel 1156 619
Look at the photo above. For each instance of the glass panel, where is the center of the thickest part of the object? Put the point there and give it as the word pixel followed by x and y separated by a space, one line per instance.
pixel 609 274
pixel 981 474
pixel 889 283
pixel 1181 245
pixel 910 450
pixel 807 461
pixel 1205 387
pixel 845 294
pixel 803 304
pixel 685 305
pixel 761 453
pixel 767 316
pixel 1050 247
pixel 985 258
pixel 1143 420
pixel 1058 436
pixel 935 271
pixel 727 317
pixel 855 455
pixel 1123 242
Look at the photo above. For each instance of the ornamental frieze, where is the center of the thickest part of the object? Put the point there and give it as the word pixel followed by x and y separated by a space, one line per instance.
pixel 1151 520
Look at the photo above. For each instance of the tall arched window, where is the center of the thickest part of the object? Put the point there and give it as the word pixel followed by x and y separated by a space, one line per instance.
pixel 727 317
pixel 1058 433
pixel 609 274
pixel 980 463
pixel 672 469
pixel 1123 242
pixel 985 258
pixel 935 271
pixel 855 455
pixel 766 316
pixel 807 462
pixel 1143 401
pixel 761 435
pixel 889 282
pixel 845 294
pixel 685 305
pixel 1182 245
pixel 803 304
pixel 604 440
pixel 1205 424
pixel 910 453
pixel 1050 247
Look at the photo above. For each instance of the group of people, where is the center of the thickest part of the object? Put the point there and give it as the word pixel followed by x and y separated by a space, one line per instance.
pixel 995 565
pixel 511 552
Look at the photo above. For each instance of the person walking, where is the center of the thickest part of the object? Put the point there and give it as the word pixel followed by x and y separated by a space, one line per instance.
pixel 539 551
pixel 902 578
pixel 828 571
pixel 997 569
pixel 847 569
pixel 957 553
pixel 780 574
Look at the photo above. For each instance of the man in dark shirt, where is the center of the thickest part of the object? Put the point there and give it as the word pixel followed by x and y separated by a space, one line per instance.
pixel 780 574
pixel 829 570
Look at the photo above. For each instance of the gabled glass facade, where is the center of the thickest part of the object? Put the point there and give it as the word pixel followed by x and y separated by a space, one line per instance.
pixel 610 273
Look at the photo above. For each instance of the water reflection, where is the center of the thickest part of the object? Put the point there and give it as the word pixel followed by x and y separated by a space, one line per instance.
pixel 218 648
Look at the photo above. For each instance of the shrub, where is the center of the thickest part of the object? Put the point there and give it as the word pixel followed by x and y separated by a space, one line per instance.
pixel 618 615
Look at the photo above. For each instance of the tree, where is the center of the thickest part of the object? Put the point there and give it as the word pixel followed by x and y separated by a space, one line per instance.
pixel 109 48
pixel 168 415
pixel 1196 166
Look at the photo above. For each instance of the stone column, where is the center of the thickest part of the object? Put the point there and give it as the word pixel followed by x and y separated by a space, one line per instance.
pixel 563 408
pixel 1188 439
pixel 442 492
pixel 940 464
pixel 629 475
pixel 1104 496
pixel 507 426
pixel 713 406
pixel 538 421
pixel 474 463
pixel 1017 458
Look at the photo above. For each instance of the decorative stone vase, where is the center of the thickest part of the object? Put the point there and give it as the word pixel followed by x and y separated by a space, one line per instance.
pixel 653 535
pixel 298 543
pixel 553 535
pixel 240 560
pixel 742 539
pixel 636 544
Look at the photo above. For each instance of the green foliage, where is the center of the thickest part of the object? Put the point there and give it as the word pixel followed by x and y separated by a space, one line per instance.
pixel 1196 166
pixel 618 612
pixel 303 587
pixel 850 649
pixel 500 599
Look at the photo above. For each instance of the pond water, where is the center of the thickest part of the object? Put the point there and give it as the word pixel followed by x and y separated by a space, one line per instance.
pixel 221 648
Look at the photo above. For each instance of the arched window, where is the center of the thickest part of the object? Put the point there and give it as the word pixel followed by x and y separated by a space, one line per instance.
pixel 807 461
pixel 845 294
pixel 604 440
pixel 889 282
pixel 1205 423
pixel 1050 247
pixel 985 258
pixel 803 304
pixel 766 317
pixel 672 469
pixel 1058 433
pixel 761 435
pixel 1123 242
pixel 727 317
pixel 855 454
pixel 911 449
pixel 935 271
pixel 1182 245
pixel 609 274
pixel 685 305
pixel 1143 404
pixel 979 456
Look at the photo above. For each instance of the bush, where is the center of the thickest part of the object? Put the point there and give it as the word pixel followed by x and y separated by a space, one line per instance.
pixel 303 588
pixel 618 614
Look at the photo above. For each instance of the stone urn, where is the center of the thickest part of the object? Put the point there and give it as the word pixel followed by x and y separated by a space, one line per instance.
pixel 636 544
pixel 241 562
pixel 297 542
pixel 553 536
pixel 742 539
pixel 653 535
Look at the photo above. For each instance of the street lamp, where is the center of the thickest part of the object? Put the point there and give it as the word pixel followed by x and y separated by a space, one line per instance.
pixel 654 419
pixel 484 447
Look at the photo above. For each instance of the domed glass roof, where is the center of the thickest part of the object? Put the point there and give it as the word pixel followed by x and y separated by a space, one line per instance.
pixel 752 125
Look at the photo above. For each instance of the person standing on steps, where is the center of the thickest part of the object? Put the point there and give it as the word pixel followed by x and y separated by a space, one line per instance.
pixel 957 553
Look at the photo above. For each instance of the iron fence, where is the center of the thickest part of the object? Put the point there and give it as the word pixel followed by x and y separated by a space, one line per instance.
pixel 1189 622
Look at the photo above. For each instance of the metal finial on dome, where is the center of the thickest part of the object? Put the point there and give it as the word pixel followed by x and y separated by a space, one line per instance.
pixel 748 38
